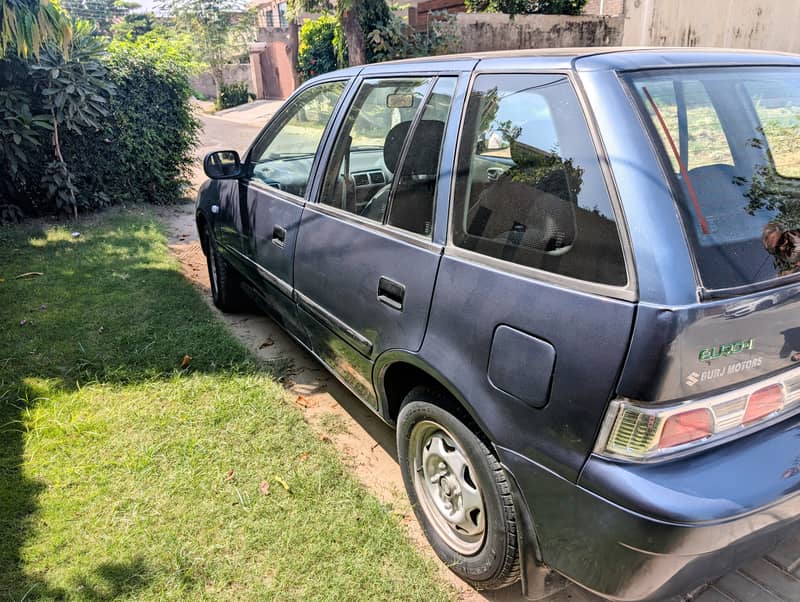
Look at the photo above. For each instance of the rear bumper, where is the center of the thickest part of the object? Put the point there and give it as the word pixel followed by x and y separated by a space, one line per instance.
pixel 649 532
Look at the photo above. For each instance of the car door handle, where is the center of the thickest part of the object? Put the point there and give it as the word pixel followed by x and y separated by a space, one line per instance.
pixel 493 174
pixel 391 293
pixel 279 235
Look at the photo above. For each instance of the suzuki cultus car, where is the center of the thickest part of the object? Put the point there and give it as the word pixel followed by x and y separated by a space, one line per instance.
pixel 570 279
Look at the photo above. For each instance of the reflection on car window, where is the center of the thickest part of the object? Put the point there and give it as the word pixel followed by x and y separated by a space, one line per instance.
pixel 359 175
pixel 529 189
pixel 736 163
pixel 412 200
pixel 285 160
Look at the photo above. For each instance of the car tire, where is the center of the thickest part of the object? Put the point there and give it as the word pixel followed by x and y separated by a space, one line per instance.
pixel 459 491
pixel 225 280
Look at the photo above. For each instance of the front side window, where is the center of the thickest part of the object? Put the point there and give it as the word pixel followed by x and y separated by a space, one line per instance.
pixel 730 136
pixel 284 158
pixel 529 189
pixel 385 163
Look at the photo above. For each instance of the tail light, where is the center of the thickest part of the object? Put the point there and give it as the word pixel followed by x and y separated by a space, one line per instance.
pixel 763 402
pixel 645 432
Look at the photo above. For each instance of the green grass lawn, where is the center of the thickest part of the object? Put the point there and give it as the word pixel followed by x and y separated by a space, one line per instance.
pixel 124 476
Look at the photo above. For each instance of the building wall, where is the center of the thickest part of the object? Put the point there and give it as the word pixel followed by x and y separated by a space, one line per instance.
pixel 234 74
pixel 493 31
pixel 759 24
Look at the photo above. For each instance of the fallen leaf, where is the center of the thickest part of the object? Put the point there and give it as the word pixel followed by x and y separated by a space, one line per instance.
pixel 304 456
pixel 230 475
pixel 283 483
pixel 185 361
pixel 28 275
pixel 325 438
pixel 264 487
pixel 304 402
pixel 268 343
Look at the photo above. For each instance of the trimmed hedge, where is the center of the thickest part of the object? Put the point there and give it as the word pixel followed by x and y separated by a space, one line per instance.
pixel 140 150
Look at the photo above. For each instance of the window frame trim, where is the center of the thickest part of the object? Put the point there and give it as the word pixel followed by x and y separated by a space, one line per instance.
pixel 628 292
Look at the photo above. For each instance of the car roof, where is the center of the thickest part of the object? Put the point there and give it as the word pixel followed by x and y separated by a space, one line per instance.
pixel 590 59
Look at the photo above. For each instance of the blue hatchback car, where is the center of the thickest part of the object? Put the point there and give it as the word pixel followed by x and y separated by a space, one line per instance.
pixel 570 278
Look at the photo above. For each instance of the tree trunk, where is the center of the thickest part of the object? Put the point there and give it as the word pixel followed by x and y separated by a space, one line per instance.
pixel 351 23
pixel 218 75
pixel 291 49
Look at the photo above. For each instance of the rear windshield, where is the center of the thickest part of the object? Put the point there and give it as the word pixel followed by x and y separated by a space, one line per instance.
pixel 731 137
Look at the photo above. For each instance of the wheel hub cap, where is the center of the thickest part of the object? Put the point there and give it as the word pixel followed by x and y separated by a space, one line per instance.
pixel 447 489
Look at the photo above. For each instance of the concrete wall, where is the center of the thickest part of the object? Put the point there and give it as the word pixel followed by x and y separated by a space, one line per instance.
pixel 494 31
pixel 760 24
pixel 234 74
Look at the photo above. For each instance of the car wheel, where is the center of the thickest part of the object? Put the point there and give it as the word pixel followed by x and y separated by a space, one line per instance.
pixel 224 279
pixel 459 491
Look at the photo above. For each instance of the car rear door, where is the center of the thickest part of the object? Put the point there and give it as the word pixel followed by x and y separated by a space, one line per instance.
pixel 366 260
pixel 533 310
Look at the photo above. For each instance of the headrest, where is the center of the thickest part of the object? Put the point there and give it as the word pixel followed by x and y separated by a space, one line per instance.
pixel 423 159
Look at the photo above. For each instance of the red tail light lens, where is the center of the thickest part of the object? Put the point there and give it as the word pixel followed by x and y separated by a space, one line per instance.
pixel 685 427
pixel 763 402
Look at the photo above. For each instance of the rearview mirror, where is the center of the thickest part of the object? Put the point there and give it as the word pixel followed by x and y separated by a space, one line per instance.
pixel 223 165
pixel 400 101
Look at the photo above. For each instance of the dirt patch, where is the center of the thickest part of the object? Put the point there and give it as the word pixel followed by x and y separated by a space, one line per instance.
pixel 364 442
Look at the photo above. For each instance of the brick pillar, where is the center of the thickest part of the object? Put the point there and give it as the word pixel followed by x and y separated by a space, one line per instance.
pixel 256 75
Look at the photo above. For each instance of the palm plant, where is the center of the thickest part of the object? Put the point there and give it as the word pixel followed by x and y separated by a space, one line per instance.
pixel 25 25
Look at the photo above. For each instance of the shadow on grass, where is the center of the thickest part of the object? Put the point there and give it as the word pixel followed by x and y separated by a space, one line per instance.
pixel 110 307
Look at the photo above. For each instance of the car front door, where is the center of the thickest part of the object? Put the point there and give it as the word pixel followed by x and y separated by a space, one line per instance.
pixel 279 168
pixel 366 260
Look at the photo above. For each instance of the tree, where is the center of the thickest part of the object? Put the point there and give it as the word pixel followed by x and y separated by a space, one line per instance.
pixel 526 7
pixel 357 18
pixel 221 31
pixel 26 25
pixel 101 13
pixel 133 25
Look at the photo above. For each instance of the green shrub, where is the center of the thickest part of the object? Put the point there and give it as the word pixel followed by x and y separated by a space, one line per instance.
pixel 232 95
pixel 398 40
pixel 316 51
pixel 526 7
pixel 123 119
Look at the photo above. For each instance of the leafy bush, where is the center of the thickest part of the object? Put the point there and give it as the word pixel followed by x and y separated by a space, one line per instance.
pixel 398 40
pixel 232 95
pixel 318 40
pixel 103 126
pixel 526 7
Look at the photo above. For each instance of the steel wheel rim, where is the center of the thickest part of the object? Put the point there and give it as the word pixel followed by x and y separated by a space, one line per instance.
pixel 444 481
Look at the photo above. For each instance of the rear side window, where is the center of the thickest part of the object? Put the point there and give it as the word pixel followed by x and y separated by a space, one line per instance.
pixel 731 137
pixel 529 189
pixel 385 164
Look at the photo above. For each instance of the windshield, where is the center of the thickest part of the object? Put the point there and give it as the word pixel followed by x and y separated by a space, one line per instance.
pixel 731 137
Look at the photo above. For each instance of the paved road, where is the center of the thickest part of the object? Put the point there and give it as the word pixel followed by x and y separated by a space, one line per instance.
pixel 219 133
pixel 773 578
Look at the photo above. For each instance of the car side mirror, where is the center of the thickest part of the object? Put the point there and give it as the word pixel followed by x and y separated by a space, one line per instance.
pixel 223 165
